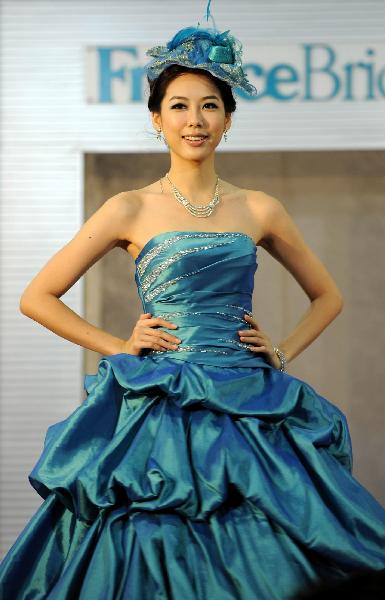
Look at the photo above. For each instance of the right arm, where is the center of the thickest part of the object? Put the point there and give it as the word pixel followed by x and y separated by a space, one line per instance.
pixel 104 230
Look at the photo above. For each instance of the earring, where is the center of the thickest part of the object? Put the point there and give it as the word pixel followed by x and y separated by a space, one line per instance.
pixel 159 137
pixel 225 135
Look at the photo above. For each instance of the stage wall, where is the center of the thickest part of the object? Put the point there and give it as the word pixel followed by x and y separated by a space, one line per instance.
pixel 72 90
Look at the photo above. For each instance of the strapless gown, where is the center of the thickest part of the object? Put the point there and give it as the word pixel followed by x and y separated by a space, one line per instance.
pixel 197 474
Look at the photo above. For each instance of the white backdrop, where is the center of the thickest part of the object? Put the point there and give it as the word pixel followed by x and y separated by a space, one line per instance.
pixel 51 116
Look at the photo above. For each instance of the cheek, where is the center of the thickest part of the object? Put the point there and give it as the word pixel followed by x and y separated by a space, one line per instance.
pixel 217 122
pixel 174 123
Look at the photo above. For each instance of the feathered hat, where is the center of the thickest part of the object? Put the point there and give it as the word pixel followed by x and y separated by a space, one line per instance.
pixel 209 49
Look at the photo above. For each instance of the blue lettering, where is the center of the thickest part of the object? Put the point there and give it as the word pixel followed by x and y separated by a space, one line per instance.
pixel 310 69
pixel 275 79
pixel 137 77
pixel 368 67
pixel 319 73
pixel 380 80
pixel 106 72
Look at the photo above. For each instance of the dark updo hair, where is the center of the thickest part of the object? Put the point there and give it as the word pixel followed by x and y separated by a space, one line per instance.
pixel 159 85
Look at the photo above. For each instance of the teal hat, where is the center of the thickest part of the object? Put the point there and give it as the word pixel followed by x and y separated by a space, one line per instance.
pixel 209 49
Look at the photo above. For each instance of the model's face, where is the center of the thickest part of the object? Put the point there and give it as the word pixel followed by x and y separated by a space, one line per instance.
pixel 192 105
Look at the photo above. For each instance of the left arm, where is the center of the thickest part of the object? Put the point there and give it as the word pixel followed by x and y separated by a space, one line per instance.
pixel 282 240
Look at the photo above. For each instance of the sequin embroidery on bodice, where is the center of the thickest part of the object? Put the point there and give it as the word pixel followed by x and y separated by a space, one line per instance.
pixel 203 282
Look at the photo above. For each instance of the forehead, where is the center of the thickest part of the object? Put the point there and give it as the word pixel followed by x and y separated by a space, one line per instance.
pixel 191 85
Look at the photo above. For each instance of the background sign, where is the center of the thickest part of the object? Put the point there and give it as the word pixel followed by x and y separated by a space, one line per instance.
pixel 308 72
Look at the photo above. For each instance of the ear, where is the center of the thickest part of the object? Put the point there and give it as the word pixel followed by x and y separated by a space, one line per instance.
pixel 156 120
pixel 227 121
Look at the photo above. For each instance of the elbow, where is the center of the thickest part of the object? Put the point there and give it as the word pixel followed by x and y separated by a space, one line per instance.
pixel 31 301
pixel 338 302
pixel 332 301
pixel 23 305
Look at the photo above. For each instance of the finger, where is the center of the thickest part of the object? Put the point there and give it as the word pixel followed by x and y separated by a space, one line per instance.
pixel 164 323
pixel 158 342
pixel 254 336
pixel 158 322
pixel 169 337
pixel 169 325
pixel 257 343
pixel 163 337
pixel 147 342
pixel 252 321
pixel 256 332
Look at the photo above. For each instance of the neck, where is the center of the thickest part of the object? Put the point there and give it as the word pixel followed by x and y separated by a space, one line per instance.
pixel 195 181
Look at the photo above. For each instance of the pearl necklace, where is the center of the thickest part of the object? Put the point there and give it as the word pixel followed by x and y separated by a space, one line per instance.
pixel 200 210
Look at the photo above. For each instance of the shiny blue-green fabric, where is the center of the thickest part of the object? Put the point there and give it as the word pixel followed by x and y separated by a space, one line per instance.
pixel 195 475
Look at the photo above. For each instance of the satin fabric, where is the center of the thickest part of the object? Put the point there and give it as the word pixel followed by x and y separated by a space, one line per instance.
pixel 195 475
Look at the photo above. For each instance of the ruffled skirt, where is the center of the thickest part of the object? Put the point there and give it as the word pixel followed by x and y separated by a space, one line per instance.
pixel 183 481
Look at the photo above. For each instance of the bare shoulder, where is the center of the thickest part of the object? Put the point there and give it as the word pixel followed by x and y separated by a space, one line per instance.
pixel 258 200
pixel 267 210
pixel 124 203
pixel 261 201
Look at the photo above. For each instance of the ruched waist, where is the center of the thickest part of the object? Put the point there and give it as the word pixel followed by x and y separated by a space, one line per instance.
pixel 208 335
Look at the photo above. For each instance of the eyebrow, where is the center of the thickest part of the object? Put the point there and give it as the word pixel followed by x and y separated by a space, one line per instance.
pixel 184 98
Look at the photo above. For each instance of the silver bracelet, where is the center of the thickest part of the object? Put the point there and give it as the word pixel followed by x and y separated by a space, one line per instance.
pixel 282 358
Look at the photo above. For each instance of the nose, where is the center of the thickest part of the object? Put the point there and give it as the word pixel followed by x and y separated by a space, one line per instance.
pixel 195 117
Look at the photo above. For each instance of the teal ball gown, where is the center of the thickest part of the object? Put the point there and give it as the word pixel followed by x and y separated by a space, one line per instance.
pixel 197 474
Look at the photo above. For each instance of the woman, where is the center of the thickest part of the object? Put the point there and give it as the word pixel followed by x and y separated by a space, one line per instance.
pixel 196 467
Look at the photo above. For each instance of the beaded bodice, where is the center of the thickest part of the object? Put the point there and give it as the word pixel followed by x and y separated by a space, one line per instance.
pixel 203 282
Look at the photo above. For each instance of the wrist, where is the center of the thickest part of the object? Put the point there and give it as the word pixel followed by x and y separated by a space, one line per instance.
pixel 130 348
pixel 116 347
pixel 281 358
